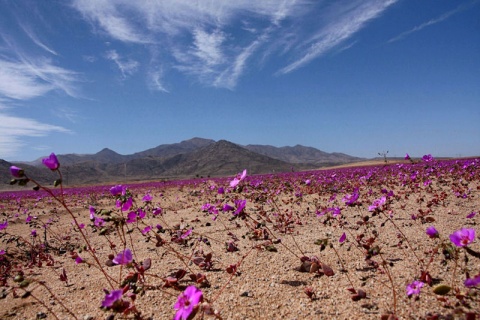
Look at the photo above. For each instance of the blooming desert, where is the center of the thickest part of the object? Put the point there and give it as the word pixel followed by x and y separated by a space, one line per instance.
pixel 379 242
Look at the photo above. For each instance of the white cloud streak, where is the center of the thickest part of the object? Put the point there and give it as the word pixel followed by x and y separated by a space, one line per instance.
pixel 439 19
pixel 126 66
pixel 341 28
pixel 12 129
pixel 216 41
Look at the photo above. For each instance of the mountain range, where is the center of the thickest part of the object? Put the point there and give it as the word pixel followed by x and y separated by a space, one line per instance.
pixel 192 158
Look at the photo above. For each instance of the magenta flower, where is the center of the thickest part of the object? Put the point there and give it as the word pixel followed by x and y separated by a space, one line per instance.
pixel 221 190
pixel 157 211
pixel 238 178
pixel 414 287
pixel 432 232
pixel 472 282
pixel 227 207
pixel 111 298
pixel 124 257
pixel 131 217
pixel 377 203
pixel 33 233
pixel 78 260
pixel 463 237
pixel 125 206
pixel 186 234
pixel 471 215
pixel 147 198
pixel 51 162
pixel 16 172
pixel 187 302
pixel 342 238
pixel 240 204
pixel 427 158
pixel 407 156
pixel 4 225
pixel 117 190
pixel 99 222
pixel 146 230
pixel 351 198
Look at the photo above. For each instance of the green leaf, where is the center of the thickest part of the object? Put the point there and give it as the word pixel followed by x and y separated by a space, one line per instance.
pixel 441 289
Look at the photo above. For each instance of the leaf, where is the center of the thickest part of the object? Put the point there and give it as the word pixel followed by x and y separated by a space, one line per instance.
pixel 441 289
pixel 473 253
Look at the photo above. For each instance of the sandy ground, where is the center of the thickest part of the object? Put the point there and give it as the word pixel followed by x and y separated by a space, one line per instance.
pixel 269 283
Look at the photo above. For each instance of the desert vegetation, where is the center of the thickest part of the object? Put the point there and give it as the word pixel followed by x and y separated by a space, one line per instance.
pixel 391 241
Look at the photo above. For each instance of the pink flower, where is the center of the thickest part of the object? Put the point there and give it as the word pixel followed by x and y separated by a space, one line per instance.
pixel 51 162
pixel 78 260
pixel 472 282
pixel 432 232
pixel 463 237
pixel 147 198
pixel 146 230
pixel 414 287
pixel 111 298
pixel 157 211
pixel 117 190
pixel 4 225
pixel 377 203
pixel 238 178
pixel 16 172
pixel 186 234
pixel 342 238
pixel 187 302
pixel 407 156
pixel 124 257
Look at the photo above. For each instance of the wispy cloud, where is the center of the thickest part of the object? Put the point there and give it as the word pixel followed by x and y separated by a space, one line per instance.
pixel 436 20
pixel 126 66
pixel 217 41
pixel 342 26
pixel 13 129
pixel 155 80
pixel 35 39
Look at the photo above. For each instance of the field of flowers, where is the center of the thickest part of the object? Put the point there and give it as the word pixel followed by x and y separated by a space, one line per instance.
pixel 396 241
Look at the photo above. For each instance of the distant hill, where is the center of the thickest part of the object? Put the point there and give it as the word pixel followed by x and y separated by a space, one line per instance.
pixel 187 159
pixel 301 154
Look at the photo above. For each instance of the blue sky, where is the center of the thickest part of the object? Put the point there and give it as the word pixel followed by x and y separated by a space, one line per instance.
pixel 357 76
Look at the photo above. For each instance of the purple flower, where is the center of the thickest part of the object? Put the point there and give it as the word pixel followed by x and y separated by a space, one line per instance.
pixel 472 282
pixel 221 190
pixel 463 237
pixel 377 203
pixel 227 207
pixel 111 298
pixel 51 162
pixel 2 252
pixel 187 301
pixel 92 213
pixel 350 199
pixel 342 238
pixel 131 217
pixel 414 287
pixel 238 178
pixel 147 198
pixel 157 211
pixel 4 225
pixel 407 156
pixel 124 257
pixel 126 205
pixel 471 215
pixel 146 230
pixel 308 182
pixel 16 172
pixel 427 158
pixel 33 233
pixel 78 260
pixel 240 204
pixel 186 234
pixel 117 190
pixel 432 232
pixel 99 222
